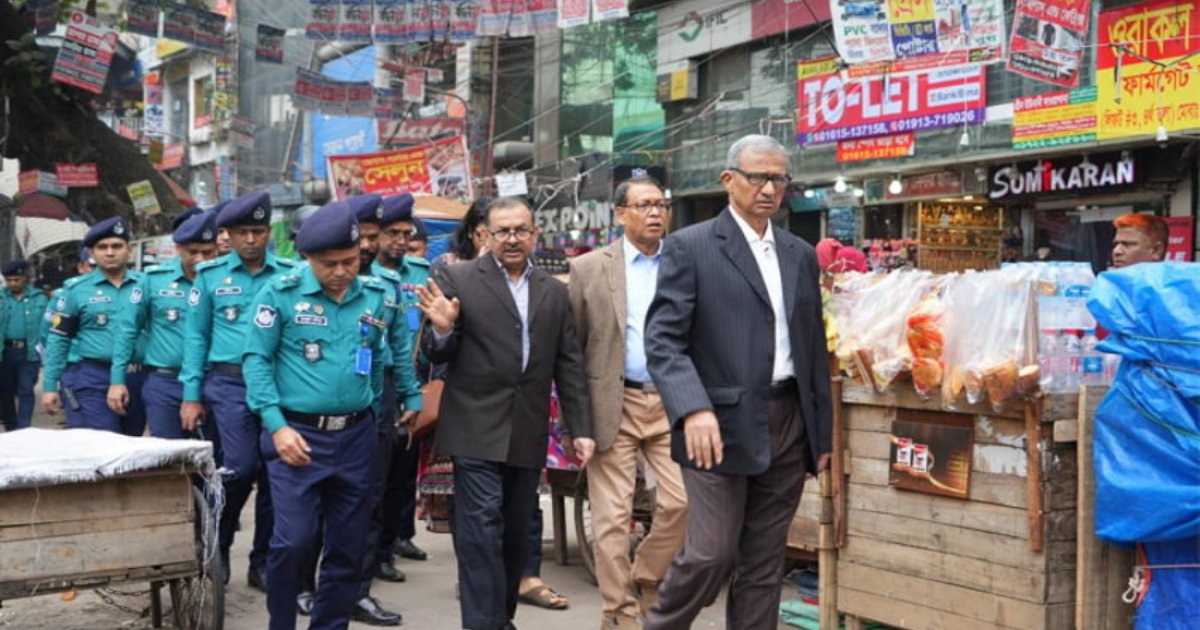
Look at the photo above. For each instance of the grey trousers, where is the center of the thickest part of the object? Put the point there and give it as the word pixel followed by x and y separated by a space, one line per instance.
pixel 737 530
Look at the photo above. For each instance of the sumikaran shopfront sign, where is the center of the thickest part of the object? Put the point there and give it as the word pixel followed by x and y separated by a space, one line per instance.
pixel 1084 175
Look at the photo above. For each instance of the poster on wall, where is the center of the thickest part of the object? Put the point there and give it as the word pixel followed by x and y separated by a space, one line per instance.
pixel 1048 38
pixel 179 23
pixel 1155 84
pixel 896 36
pixel 1181 231
pixel 355 22
pixel 877 148
pixel 1055 119
pixel 833 109
pixel 322 20
pixel 141 17
pixel 86 53
pixel 210 31
pixel 932 453
pixel 269 46
pixel 439 168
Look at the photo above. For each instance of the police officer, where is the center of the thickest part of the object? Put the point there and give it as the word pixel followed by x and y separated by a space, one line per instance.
pixel 418 244
pixel 79 346
pixel 19 371
pixel 219 314
pixel 321 330
pixel 401 391
pixel 83 266
pixel 400 499
pixel 158 308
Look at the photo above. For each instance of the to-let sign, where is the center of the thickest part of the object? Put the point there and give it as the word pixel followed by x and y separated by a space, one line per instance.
pixel 832 108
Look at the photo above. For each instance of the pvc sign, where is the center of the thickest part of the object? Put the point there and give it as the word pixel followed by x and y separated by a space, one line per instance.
pixel 833 108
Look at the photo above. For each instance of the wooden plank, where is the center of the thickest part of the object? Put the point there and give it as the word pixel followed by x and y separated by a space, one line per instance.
pixel 950 598
pixel 1007 490
pixel 97 552
pixel 1066 431
pixel 903 396
pixel 839 461
pixel 897 614
pixel 956 541
pixel 19 589
pixel 1057 407
pixel 111 498
pixel 1033 448
pixel 980 575
pixel 989 458
pixel 988 429
pixel 1101 569
pixel 984 517
pixel 853 623
pixel 45 531
pixel 827 557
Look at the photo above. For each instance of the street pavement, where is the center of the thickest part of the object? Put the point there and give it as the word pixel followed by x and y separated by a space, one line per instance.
pixel 426 600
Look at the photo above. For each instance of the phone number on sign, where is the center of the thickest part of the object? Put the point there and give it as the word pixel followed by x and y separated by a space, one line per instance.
pixel 916 123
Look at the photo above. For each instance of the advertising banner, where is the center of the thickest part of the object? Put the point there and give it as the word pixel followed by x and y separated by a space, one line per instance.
pixel 414 85
pixel 1054 119
pixel 179 23
pixel 1156 82
pixel 833 109
pixel 1048 38
pixel 1095 174
pixel 86 53
pixel 878 148
pixel 355 24
pixel 439 168
pixel 897 36
pixel 210 31
pixel 771 17
pixel 269 46
pixel 153 115
pixel 418 130
pixel 572 13
pixel 141 194
pixel 77 175
pixel 141 17
pixel 1179 241
pixel 603 10
pixel 322 19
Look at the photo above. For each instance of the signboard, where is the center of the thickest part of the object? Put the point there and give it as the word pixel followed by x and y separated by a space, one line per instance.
pixel 153 115
pixel 155 152
pixel 511 184
pixel 1048 37
pixel 677 81
pixel 86 53
pixel 141 17
pixel 1140 95
pixel 878 148
pixel 1099 173
pixel 832 109
pixel 34 181
pixel 414 85
pixel 439 168
pixel 895 36
pixel 693 28
pixel 1179 238
pixel 179 23
pixel 77 175
pixel 141 195
pixel 355 25
pixel 771 17
pixel 1054 119
pixel 210 31
pixel 932 453
pixel 269 46
pixel 42 16
pixel 172 156
pixel 419 130
pixel 322 20
pixel 604 10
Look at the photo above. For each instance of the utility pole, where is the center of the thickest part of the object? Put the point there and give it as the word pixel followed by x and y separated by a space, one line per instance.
pixel 489 160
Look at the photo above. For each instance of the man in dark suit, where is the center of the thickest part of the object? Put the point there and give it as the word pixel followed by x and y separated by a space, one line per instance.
pixel 505 328
pixel 736 346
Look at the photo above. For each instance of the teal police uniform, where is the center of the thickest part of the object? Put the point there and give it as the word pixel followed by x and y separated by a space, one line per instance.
pixel 20 319
pixel 218 318
pixel 80 343
pixel 313 365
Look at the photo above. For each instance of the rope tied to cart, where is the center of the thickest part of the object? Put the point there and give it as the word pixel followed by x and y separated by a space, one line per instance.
pixel 1139 582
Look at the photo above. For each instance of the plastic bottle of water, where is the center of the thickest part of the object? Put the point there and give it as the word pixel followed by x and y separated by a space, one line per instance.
pixel 1047 296
pixel 1071 352
pixel 1093 360
pixel 1048 360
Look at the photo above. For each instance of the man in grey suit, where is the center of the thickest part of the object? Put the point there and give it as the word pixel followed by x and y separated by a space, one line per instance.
pixel 736 345
pixel 505 328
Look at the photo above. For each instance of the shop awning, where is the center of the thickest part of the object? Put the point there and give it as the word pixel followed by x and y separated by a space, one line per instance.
pixel 35 234
pixel 43 206
pixel 181 195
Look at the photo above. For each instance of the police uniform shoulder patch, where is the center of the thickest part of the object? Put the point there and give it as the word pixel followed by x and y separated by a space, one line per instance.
pixel 286 281
pixel 70 282
pixel 286 262
pixel 265 317
pixel 416 260
pixel 152 269
pixel 208 264
pixel 157 269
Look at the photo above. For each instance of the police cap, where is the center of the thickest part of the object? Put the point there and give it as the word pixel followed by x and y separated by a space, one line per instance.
pixel 420 232
pixel 112 227
pixel 334 226
pixel 367 208
pixel 184 216
pixel 200 228
pixel 397 208
pixel 249 209
pixel 14 268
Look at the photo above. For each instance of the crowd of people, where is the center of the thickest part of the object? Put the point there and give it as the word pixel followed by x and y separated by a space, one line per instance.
pixel 701 354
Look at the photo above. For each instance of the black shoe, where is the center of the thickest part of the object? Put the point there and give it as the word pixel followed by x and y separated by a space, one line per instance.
pixel 405 548
pixel 225 572
pixel 368 611
pixel 257 578
pixel 388 572
pixel 304 603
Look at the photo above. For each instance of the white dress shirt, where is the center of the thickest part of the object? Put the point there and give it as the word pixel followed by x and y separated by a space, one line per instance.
pixel 641 278
pixel 767 257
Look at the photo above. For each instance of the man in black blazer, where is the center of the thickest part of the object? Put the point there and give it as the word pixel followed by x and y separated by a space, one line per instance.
pixel 736 345
pixel 505 328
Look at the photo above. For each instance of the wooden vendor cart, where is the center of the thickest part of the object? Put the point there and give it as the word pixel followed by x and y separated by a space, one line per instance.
pixel 1015 551
pixel 131 512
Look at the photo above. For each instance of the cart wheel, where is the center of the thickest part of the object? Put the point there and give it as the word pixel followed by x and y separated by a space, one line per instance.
pixel 199 601
pixel 583 529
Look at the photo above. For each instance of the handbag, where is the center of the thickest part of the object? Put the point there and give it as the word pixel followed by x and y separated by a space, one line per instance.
pixel 431 395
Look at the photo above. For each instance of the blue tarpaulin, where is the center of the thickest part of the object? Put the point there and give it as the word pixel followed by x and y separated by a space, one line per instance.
pixel 1147 431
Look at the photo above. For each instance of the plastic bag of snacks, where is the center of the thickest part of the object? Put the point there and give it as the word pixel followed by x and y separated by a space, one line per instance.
pixel 926 339
pixel 995 362
pixel 873 312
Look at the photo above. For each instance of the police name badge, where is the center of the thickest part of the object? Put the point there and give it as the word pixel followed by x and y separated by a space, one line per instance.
pixel 265 317
pixel 312 351
pixel 231 313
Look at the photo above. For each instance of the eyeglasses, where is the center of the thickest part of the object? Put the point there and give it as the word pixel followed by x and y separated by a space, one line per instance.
pixel 761 179
pixel 646 206
pixel 519 234
pixel 401 234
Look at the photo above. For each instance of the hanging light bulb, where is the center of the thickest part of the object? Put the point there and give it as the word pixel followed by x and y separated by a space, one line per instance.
pixel 896 187
pixel 858 192
pixel 965 139
pixel 809 193
pixel 1160 135
pixel 839 186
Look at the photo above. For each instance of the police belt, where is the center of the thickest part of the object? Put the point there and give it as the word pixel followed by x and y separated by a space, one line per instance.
pixel 327 422
pixel 162 370
pixel 15 343
pixel 132 368
pixel 227 368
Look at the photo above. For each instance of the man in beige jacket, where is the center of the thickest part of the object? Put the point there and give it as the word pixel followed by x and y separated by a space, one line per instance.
pixel 610 291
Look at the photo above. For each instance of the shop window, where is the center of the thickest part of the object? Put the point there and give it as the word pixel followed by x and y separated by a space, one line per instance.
pixel 202 112
pixel 179 111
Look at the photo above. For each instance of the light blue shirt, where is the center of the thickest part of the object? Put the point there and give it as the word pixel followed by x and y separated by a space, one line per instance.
pixel 641 280
pixel 519 289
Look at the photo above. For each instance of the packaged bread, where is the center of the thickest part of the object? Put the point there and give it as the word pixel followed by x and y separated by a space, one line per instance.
pixel 1001 383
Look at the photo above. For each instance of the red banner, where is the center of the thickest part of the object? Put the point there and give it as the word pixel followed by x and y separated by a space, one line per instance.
pixel 77 175
pixel 1048 37
pixel 1179 241
pixel 439 168
pixel 880 148
pixel 769 17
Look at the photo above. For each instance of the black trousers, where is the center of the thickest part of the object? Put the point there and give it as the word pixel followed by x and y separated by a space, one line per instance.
pixel 493 509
